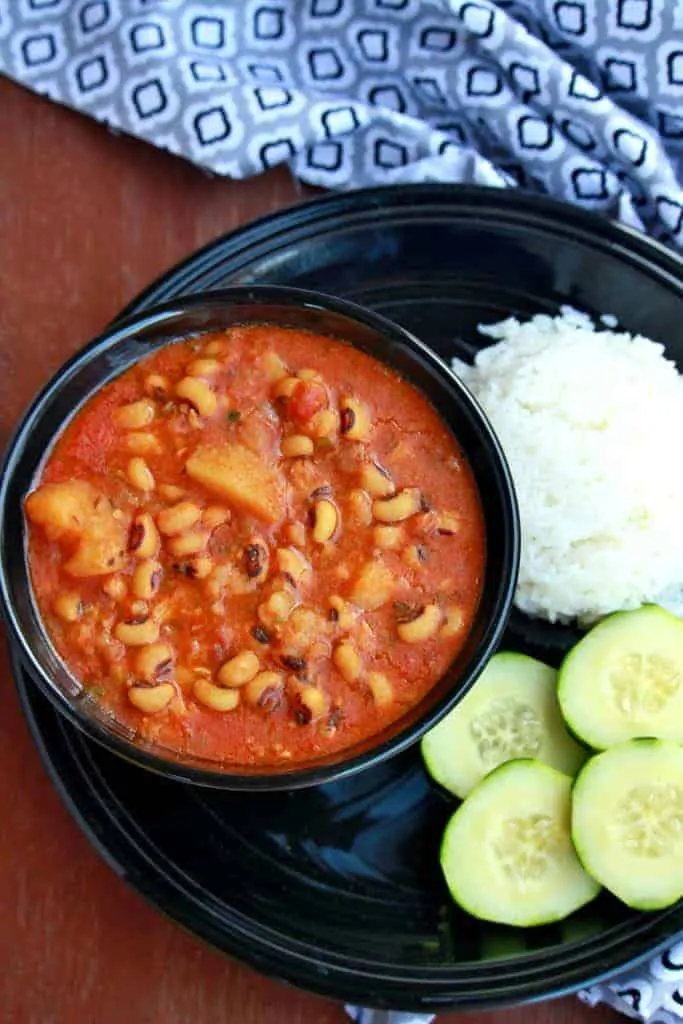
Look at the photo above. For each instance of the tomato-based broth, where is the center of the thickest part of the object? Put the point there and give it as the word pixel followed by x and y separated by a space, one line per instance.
pixel 257 546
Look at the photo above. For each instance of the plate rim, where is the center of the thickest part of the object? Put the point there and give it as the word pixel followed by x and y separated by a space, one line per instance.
pixel 477 203
pixel 559 214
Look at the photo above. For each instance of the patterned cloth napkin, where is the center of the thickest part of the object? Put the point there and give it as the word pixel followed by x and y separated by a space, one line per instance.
pixel 582 99
pixel 653 993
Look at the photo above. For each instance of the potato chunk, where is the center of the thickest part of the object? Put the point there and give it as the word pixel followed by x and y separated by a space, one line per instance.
pixel 374 586
pixel 241 477
pixel 77 515
pixel 98 552
pixel 62 509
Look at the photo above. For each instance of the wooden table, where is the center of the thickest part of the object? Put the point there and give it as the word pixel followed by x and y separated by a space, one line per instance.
pixel 87 218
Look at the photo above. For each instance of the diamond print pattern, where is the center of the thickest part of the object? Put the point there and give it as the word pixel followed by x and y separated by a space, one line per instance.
pixel 580 98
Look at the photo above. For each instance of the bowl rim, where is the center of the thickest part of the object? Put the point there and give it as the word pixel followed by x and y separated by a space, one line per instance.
pixel 302 775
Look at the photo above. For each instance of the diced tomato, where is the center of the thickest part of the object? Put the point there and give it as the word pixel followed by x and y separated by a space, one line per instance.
pixel 307 399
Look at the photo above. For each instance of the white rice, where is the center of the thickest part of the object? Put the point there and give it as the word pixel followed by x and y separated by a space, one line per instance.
pixel 591 421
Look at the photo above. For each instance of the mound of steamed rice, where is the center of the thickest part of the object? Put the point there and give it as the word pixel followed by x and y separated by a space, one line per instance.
pixel 591 421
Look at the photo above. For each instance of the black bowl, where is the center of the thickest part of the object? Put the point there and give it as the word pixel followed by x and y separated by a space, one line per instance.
pixel 132 339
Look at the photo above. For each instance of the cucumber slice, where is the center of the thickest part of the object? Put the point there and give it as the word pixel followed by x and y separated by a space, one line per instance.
pixel 507 854
pixel 627 821
pixel 510 712
pixel 625 679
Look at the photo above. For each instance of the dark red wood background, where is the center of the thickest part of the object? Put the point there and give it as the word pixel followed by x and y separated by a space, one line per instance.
pixel 87 219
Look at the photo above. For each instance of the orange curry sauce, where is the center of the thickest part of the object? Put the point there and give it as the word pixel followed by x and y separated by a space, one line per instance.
pixel 257 546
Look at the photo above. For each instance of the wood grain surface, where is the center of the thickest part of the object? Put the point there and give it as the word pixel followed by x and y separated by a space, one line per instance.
pixel 87 218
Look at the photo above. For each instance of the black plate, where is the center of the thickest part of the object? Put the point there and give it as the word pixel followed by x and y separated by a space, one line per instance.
pixel 337 889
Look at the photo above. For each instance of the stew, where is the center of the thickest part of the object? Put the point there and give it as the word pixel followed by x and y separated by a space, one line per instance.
pixel 256 546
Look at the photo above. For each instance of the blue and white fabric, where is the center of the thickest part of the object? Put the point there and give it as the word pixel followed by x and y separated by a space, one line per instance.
pixel 581 99
pixel 653 993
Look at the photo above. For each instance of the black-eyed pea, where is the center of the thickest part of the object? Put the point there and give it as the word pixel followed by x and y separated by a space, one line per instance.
pixel 134 415
pixel 293 564
pixel 139 474
pixel 354 420
pixel 215 515
pixel 389 538
pixel 308 702
pixel 141 442
pixel 284 387
pixel 154 663
pixel 325 424
pixel 265 691
pixel 342 613
pixel 324 520
pixel 380 688
pixel 260 634
pixel 191 543
pixel 144 540
pixel 422 627
pixel 216 698
pixel 178 518
pixel 415 556
pixel 68 606
pixel 359 506
pixel 171 492
pixel 281 604
pixel 157 387
pixel 454 622
pixel 215 347
pixel 296 446
pixel 402 506
pixel 347 661
pixel 277 609
pixel 115 587
pixel 447 523
pixel 203 368
pixel 146 579
pixel 295 663
pixel 198 568
pixel 324 491
pixel 138 631
pixel 239 670
pixel 151 699
pixel 198 394
pixel 256 559
pixel 274 367
pixel 377 480
pixel 308 373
